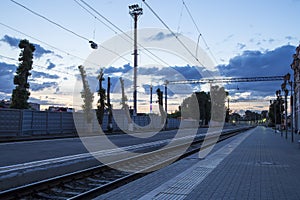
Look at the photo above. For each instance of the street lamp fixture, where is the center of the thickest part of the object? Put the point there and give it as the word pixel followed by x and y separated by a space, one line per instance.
pixel 287 78
pixel 279 100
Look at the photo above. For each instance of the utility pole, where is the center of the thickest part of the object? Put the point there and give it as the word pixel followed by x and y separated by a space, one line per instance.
pixel 166 97
pixel 151 98
pixel 135 11
pixel 166 103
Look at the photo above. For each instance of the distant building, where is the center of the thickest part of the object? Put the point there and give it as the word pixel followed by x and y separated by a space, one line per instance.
pixel 60 109
pixel 296 97
pixel 34 106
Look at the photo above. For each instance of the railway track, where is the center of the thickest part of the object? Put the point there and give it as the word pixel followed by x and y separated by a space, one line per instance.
pixel 92 182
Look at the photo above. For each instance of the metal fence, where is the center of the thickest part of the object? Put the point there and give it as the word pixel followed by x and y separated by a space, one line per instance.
pixel 15 122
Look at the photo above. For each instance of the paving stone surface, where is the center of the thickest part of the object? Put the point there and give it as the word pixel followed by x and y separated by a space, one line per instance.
pixel 264 166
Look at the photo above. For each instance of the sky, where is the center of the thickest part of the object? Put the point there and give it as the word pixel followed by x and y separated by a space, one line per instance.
pixel 238 39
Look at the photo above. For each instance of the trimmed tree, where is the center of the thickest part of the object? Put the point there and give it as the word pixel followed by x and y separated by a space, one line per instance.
pixel 21 93
pixel 87 95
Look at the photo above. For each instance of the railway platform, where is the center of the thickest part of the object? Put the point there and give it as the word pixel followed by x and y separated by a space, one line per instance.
pixel 256 164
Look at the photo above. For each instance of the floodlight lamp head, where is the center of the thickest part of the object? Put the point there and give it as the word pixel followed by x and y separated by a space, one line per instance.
pixel 135 10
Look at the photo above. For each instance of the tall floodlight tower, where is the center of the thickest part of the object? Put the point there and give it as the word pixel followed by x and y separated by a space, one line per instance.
pixel 135 11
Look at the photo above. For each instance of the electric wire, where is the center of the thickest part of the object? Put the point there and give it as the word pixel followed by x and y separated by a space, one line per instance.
pixel 47 44
pixel 200 34
pixel 49 20
pixel 17 61
pixel 95 17
pixel 180 18
pixel 66 29
pixel 176 36
pixel 121 31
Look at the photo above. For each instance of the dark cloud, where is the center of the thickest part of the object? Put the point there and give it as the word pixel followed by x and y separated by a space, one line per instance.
pixel 147 89
pixel 112 70
pixel 40 51
pixel 14 42
pixel 41 86
pixel 36 74
pixel 160 36
pixel 170 73
pixel 6 77
pixel 256 64
pixel 50 64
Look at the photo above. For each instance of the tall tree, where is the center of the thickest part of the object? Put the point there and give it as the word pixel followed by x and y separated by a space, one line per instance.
pixel 218 100
pixel 87 95
pixel 21 93
pixel 197 106
pixel 205 106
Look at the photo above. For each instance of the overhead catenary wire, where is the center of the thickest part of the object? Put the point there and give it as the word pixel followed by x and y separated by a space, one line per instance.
pixel 49 20
pixel 176 36
pixel 47 44
pixel 66 29
pixel 105 24
pixel 17 61
pixel 200 34
pixel 121 31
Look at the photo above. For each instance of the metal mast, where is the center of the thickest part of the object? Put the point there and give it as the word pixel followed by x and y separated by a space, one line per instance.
pixel 135 11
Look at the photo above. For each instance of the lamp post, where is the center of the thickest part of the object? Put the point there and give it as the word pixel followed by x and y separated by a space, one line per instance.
pixel 278 95
pixel 287 78
pixel 274 108
pixel 135 11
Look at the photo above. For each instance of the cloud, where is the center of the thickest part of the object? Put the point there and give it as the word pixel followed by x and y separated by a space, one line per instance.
pixel 14 42
pixel 271 40
pixel 257 64
pixel 50 64
pixel 112 70
pixel 7 77
pixel 36 74
pixel 290 38
pixel 241 46
pixel 160 36
pixel 40 51
pixel 41 86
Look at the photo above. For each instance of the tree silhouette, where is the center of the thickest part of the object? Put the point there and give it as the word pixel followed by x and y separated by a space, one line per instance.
pixel 21 93
pixel 87 96
pixel 205 106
